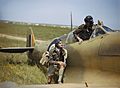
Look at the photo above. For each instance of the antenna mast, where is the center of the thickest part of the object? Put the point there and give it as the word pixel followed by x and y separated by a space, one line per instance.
pixel 71 21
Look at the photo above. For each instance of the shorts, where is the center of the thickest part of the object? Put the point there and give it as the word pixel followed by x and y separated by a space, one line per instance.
pixel 52 69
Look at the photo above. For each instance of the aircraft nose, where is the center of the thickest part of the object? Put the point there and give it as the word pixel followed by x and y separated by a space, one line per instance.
pixel 110 45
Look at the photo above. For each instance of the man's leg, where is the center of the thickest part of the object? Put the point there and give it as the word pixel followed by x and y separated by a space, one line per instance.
pixel 51 71
pixel 61 71
pixel 49 79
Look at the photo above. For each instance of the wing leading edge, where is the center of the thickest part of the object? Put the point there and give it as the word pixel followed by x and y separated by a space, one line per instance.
pixel 16 49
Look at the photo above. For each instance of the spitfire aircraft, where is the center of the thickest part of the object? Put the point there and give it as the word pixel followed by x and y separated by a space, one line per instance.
pixel 95 61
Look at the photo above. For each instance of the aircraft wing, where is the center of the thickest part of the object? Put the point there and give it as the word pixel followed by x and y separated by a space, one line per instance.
pixel 16 49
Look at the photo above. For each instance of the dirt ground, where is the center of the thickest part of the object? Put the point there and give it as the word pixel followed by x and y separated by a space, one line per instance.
pixel 66 85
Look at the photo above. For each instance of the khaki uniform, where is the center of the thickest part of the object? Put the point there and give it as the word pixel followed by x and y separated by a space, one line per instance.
pixel 84 32
pixel 57 55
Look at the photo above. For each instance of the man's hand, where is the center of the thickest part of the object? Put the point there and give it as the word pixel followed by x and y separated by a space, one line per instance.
pixel 61 63
pixel 80 40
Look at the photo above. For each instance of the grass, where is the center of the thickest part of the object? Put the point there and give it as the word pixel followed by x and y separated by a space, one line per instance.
pixel 14 67
pixel 41 32
pixel 22 74
pixel 4 42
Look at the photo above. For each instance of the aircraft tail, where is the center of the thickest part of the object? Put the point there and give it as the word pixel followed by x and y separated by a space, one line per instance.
pixel 30 39
pixel 29 45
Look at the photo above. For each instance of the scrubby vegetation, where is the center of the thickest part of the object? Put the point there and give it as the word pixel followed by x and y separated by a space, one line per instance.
pixel 40 31
pixel 14 67
pixel 7 57
pixel 22 74
pixel 4 42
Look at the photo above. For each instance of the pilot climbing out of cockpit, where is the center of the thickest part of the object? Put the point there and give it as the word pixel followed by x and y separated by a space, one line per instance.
pixel 84 31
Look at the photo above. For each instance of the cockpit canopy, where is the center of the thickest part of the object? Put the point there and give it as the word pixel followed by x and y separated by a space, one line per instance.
pixel 99 30
pixel 107 29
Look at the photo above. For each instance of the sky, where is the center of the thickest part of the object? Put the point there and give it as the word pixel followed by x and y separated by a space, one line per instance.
pixel 58 11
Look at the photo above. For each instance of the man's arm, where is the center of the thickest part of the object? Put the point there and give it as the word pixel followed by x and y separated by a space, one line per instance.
pixel 53 62
pixel 77 31
pixel 78 38
pixel 65 56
